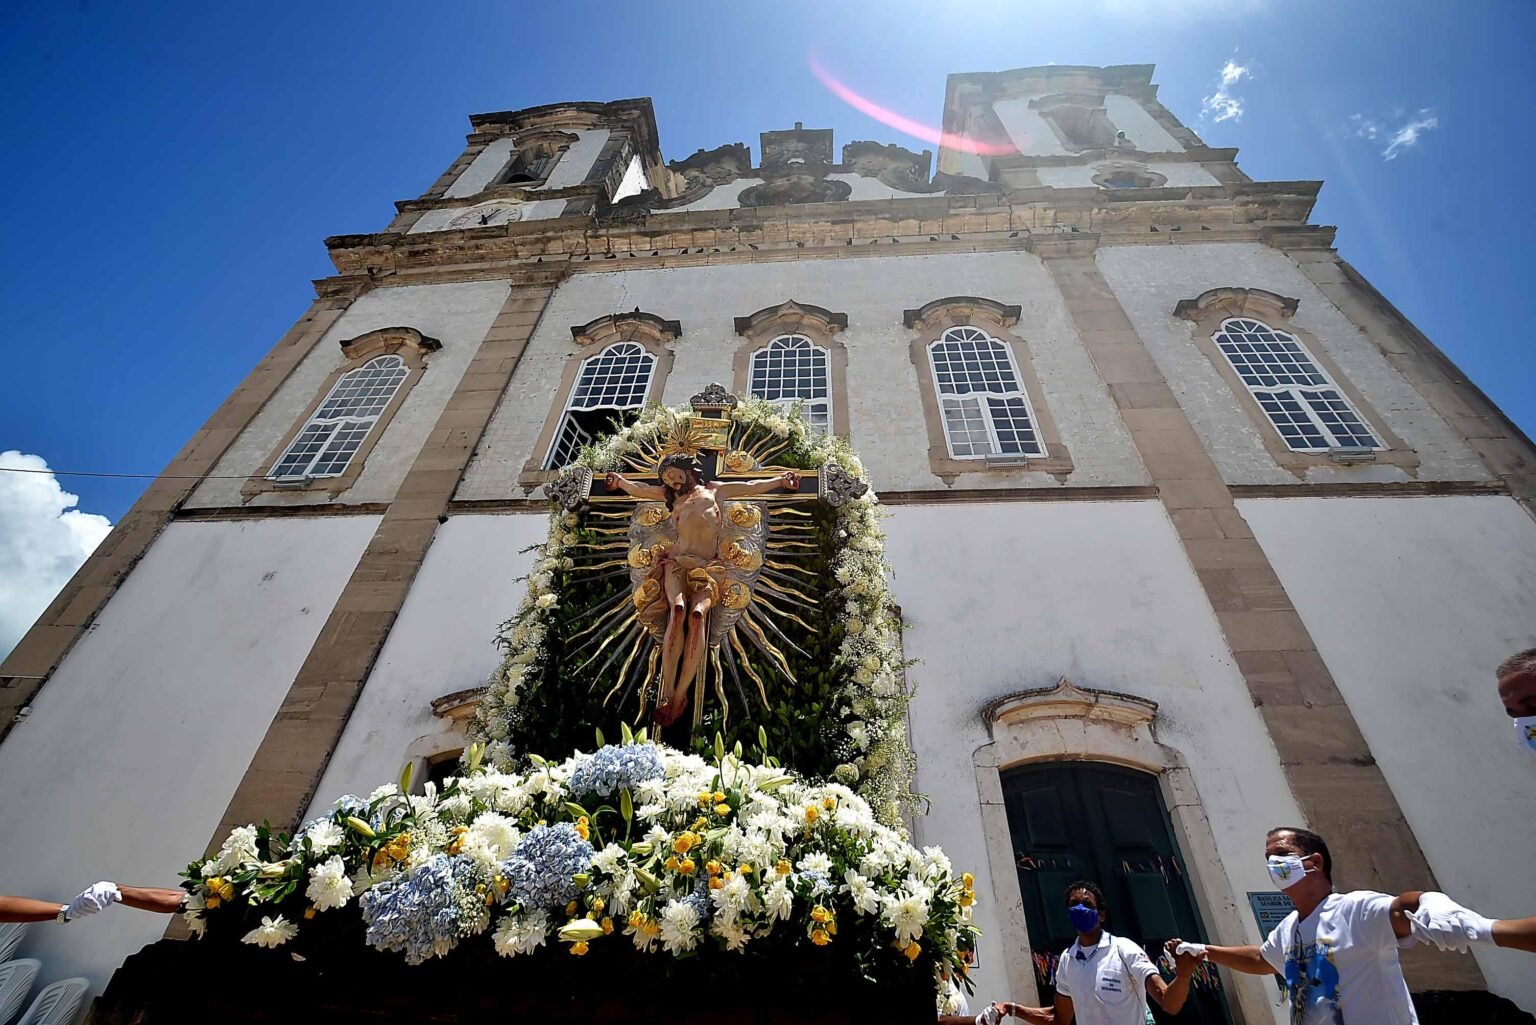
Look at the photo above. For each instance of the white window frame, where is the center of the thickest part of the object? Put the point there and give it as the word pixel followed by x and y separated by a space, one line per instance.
pixel 785 343
pixel 341 423
pixel 1018 391
pixel 1303 395
pixel 569 425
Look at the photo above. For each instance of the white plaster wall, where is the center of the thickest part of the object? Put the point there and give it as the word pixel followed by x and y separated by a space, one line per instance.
pixel 633 183
pixel 1004 597
pixel 1149 282
pixel 1081 177
pixel 1128 115
pixel 458 315
pixel 134 747
pixel 727 196
pixel 571 169
pixel 885 405
pixel 441 642
pixel 1412 603
pixel 439 220
pixel 722 197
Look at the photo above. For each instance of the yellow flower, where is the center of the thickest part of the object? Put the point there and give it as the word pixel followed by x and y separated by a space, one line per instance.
pixel 212 901
pixel 912 950
pixel 967 880
pixel 966 899
pixel 570 908
pixel 829 803
pixel 706 799
pixel 456 844
pixel 636 919
pixel 672 863
pixel 712 867
pixel 722 810
pixel 501 884
pixel 744 869
pixel 687 866
pixel 719 796
pixel 380 861
pixel 309 912
pixel 812 813
pixel 783 868
pixel 685 842
pixel 223 888
pixel 820 914
pixel 652 929
pixel 598 904
pixel 580 948
pixel 820 937
pixel 716 883
pixel 607 924
pixel 583 830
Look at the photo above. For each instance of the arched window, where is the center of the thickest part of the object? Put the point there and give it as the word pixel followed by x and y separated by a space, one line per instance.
pixel 982 403
pixel 790 368
pixel 1303 404
pixel 338 427
pixel 610 388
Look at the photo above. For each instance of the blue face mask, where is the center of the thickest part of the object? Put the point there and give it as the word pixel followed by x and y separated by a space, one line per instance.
pixel 1083 917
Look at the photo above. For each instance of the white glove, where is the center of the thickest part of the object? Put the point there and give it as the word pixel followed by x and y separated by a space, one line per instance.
pixel 1197 949
pixel 1448 925
pixel 991 1016
pixel 94 898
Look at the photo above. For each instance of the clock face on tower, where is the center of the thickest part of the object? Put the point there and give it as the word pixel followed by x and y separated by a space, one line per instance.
pixel 487 214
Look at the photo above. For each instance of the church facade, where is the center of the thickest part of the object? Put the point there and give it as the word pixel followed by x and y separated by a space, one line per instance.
pixel 1192 533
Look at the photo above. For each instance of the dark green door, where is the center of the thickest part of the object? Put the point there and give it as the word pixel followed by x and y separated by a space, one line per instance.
pixel 1083 820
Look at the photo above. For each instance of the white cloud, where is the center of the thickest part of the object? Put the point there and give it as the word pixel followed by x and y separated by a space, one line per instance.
pixel 43 540
pixel 1224 104
pixel 1405 136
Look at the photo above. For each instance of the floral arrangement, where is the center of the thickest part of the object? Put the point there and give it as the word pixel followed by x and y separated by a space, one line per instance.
pixel 634 843
pixel 856 699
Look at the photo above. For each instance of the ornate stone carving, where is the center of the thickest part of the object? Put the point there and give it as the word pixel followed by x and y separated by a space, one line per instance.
pixel 388 339
pixel 713 400
pixel 1066 700
pixel 572 488
pixel 892 165
pixel 715 166
pixel 963 185
pixel 789 316
pixel 626 327
pixel 962 309
pixel 795 190
pixel 799 150
pixel 838 486
pixel 1237 302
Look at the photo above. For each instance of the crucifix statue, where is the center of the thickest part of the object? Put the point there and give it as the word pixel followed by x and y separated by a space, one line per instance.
pixel 698 533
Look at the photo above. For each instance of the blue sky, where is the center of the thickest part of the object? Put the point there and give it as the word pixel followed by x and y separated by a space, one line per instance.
pixel 172 168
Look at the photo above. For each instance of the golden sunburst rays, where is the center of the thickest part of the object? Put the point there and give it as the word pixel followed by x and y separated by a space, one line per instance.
pixel 714 664
pixel 746 666
pixel 770 610
pixel 613 635
pixel 775 657
pixel 772 583
pixel 642 642
pixel 647 682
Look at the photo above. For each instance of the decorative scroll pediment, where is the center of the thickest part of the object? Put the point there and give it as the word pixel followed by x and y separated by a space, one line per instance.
pixel 1237 302
pixel 459 705
pixel 386 340
pixel 1066 700
pixel 627 327
pixel 795 190
pixel 798 150
pixel 892 165
pixel 716 166
pixel 789 317
pixel 961 309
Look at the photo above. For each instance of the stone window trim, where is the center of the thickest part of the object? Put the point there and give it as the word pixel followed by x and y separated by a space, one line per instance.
pixel 1145 177
pixel 1066 722
pixel 652 333
pixel 1209 310
pixel 454 711
pixel 1080 121
pixel 544 145
pixel 820 325
pixel 412 347
pixel 929 323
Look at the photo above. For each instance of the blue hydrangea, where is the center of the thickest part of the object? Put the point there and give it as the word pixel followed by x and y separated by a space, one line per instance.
pixel 616 767
pixel 422 913
pixel 351 804
pixel 540 871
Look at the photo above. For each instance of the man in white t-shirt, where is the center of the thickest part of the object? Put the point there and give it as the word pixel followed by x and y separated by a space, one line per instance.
pixel 1337 952
pixel 1103 979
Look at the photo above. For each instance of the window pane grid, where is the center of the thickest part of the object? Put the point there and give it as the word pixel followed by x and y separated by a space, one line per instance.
pixel 968 364
pixel 616 378
pixel 341 423
pixel 1273 363
pixel 570 441
pixel 792 367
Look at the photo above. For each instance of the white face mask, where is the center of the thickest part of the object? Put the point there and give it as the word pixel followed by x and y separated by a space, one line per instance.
pixel 1525 728
pixel 1286 870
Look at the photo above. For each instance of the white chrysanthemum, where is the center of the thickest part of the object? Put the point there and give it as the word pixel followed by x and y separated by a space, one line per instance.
pixel 679 927
pixel 491 838
pixel 817 862
pixel 329 885
pixel 935 862
pixel 387 790
pixel 548 601
pixel 779 900
pixel 197 925
pixel 861 892
pixel 238 847
pixel 734 898
pixel 734 935
pixel 272 932
pixel 906 912
pixel 325 836
pixel 521 934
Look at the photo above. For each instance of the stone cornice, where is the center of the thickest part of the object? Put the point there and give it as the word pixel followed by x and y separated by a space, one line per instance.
pixel 1193 155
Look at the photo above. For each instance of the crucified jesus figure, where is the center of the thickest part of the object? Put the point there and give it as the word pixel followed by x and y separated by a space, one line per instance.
pixel 695 504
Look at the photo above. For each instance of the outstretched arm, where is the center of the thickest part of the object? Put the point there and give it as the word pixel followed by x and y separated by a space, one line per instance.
pixel 1170 996
pixel 1240 959
pixel 1515 933
pixel 153 898
pixel 650 492
pixel 1061 1014
pixel 1437 919
pixel 25 909
pixel 789 480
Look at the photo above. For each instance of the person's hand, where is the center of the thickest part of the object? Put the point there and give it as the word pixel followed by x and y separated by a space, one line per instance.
pixel 1185 963
pixel 612 481
pixel 790 479
pixel 94 898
